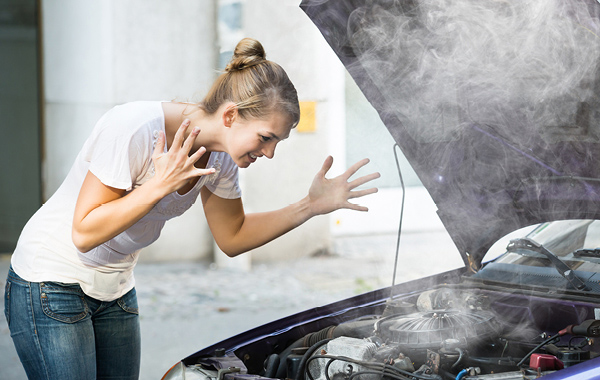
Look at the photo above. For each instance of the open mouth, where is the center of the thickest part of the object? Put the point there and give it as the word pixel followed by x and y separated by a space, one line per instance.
pixel 252 157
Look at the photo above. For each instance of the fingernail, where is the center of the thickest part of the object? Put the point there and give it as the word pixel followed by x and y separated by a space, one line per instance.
pixel 196 130
pixel 186 121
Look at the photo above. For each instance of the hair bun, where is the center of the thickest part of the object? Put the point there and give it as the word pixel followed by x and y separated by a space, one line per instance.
pixel 247 53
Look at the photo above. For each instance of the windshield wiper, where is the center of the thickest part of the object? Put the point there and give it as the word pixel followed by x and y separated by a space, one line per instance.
pixel 586 252
pixel 562 268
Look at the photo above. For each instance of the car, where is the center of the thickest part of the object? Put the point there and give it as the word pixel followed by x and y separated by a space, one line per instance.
pixel 496 106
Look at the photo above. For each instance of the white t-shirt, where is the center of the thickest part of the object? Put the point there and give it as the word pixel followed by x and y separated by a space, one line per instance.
pixel 119 153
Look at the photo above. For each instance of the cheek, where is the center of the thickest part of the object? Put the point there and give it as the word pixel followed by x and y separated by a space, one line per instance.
pixel 251 144
pixel 244 143
pixel 243 147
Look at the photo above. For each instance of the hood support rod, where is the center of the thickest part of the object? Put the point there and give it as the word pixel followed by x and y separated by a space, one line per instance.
pixel 396 148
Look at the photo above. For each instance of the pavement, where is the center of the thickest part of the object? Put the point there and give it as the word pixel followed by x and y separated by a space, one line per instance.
pixel 186 306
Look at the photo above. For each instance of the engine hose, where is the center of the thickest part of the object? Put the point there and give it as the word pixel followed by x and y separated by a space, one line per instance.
pixel 461 354
pixel 307 355
pixel 354 329
pixel 461 374
pixel 272 365
pixel 312 338
pixel 282 369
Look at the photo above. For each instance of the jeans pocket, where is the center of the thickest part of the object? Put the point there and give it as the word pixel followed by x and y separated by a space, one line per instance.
pixel 128 302
pixel 7 302
pixel 64 303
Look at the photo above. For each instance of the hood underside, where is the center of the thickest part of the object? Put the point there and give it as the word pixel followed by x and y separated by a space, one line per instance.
pixel 495 104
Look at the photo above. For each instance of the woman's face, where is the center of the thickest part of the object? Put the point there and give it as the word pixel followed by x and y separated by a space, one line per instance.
pixel 254 138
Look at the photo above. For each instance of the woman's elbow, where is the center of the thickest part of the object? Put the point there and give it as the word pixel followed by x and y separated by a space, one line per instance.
pixel 230 250
pixel 232 253
pixel 81 242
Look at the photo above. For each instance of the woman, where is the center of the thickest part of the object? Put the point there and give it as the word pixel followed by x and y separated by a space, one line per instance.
pixel 70 297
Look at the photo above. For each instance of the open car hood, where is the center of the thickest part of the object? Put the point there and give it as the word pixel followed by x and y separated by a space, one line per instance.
pixel 495 104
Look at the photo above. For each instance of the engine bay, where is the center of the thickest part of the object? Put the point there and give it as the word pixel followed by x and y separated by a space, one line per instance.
pixel 450 332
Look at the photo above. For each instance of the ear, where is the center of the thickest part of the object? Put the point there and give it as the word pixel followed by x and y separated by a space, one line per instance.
pixel 229 115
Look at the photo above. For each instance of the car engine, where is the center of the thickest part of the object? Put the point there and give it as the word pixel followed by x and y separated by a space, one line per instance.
pixel 445 335
pixel 441 334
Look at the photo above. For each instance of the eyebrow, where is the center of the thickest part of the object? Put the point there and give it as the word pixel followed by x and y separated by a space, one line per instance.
pixel 274 136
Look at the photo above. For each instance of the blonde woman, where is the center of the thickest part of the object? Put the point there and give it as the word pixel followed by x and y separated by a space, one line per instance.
pixel 70 296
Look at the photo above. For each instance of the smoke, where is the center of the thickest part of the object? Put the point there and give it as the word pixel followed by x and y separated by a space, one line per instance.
pixel 454 63
pixel 496 104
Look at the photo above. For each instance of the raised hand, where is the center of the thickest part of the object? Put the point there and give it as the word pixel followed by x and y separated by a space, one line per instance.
pixel 327 195
pixel 175 168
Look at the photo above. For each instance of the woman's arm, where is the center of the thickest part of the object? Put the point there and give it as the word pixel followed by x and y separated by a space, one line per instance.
pixel 102 212
pixel 236 232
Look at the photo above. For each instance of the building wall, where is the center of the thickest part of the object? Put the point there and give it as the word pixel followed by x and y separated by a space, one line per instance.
pixel 20 191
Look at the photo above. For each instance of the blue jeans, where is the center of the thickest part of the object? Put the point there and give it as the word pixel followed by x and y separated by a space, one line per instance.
pixel 60 333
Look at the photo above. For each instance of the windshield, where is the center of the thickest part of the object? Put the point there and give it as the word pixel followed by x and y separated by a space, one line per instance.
pixel 576 242
pixel 560 254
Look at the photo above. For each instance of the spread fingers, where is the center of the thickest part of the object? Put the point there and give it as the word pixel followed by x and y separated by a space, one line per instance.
pixel 362 193
pixel 362 180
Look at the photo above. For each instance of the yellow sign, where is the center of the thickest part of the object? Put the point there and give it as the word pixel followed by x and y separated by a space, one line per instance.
pixel 308 122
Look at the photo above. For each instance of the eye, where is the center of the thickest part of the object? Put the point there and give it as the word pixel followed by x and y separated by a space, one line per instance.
pixel 264 138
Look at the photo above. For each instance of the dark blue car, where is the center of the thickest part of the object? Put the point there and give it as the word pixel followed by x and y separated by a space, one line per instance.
pixel 496 105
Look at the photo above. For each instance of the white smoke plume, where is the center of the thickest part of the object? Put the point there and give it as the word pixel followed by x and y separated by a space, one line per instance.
pixel 530 63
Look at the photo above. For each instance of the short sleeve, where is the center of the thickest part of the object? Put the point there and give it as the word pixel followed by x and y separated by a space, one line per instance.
pixel 226 181
pixel 115 152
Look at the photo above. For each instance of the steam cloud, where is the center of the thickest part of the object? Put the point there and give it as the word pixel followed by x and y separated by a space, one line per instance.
pixel 493 102
pixel 526 63
pixel 496 104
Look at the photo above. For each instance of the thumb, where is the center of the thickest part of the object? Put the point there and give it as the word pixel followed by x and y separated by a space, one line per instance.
pixel 326 165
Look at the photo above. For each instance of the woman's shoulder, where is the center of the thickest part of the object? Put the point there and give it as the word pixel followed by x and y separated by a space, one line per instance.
pixel 142 109
pixel 132 127
pixel 131 118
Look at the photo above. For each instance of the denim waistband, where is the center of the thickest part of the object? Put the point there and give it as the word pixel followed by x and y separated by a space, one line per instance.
pixel 14 277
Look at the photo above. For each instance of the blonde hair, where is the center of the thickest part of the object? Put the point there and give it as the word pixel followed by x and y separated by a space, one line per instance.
pixel 258 87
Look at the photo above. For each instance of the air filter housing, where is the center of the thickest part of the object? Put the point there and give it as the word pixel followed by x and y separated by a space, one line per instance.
pixel 431 329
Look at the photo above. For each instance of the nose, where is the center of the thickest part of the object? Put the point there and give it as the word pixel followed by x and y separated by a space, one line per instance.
pixel 269 150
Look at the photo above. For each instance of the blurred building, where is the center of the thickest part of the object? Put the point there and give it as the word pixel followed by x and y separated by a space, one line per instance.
pixel 66 62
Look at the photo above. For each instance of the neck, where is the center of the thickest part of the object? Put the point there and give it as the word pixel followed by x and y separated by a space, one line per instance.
pixel 211 129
